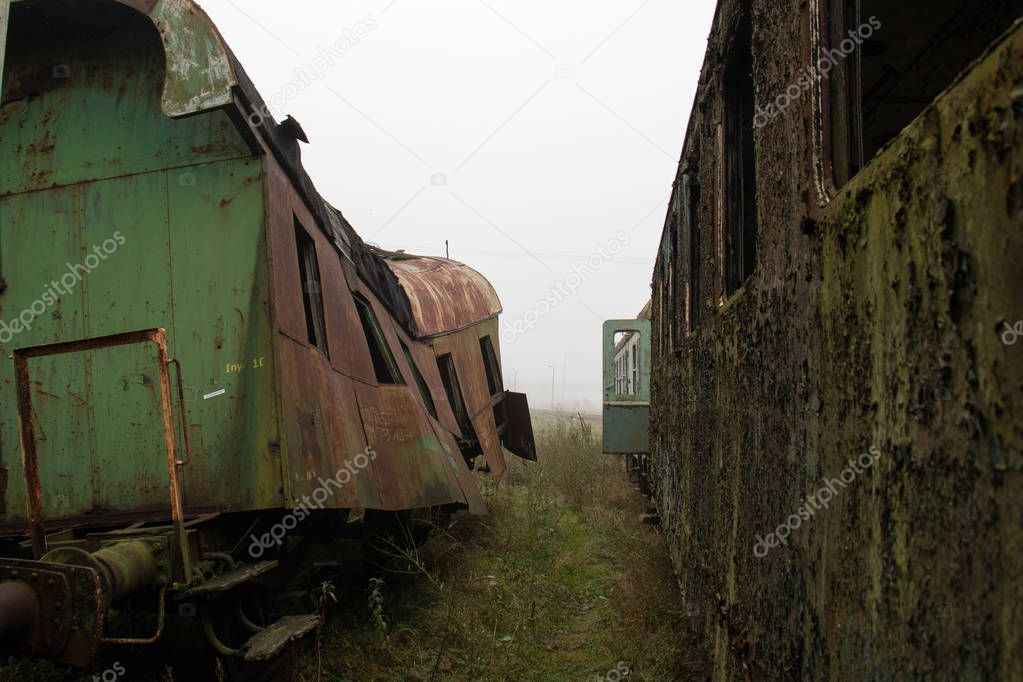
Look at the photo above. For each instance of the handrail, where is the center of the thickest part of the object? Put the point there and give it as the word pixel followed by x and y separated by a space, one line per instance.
pixel 184 415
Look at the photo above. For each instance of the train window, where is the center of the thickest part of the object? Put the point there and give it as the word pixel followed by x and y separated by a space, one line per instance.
pixel 667 269
pixel 420 381
pixel 627 363
pixel 676 278
pixel 383 361
pixel 886 62
pixel 739 161
pixel 691 223
pixel 449 377
pixel 635 369
pixel 494 381
pixel 312 292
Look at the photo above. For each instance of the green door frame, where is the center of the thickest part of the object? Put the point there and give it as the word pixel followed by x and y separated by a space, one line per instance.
pixel 626 428
pixel 30 462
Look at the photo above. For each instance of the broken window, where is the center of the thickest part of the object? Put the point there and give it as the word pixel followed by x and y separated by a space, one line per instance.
pixel 739 161
pixel 691 225
pixel 469 444
pixel 420 380
pixel 312 292
pixel 677 278
pixel 495 383
pixel 383 360
pixel 886 62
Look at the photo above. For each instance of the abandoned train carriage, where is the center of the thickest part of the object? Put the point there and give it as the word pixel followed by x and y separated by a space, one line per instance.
pixel 626 408
pixel 839 275
pixel 154 237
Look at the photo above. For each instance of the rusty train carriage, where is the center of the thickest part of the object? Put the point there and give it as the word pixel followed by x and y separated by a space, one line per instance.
pixel 834 274
pixel 310 348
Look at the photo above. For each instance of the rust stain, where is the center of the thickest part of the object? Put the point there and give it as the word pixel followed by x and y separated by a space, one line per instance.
pixel 445 295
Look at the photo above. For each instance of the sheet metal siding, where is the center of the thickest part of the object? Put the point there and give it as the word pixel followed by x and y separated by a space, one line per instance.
pixel 332 409
pixel 427 362
pixel 192 261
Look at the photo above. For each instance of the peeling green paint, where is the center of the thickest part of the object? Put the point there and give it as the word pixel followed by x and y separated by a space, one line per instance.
pixel 199 73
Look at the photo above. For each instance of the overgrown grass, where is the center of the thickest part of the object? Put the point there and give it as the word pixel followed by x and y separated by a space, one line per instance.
pixel 559 582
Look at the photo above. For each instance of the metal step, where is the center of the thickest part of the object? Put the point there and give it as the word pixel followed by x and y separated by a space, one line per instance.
pixel 233 578
pixel 269 642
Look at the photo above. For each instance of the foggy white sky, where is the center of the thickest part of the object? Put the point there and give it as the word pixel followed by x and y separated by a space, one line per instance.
pixel 555 125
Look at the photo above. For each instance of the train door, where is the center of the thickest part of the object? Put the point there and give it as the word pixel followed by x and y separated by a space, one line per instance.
pixel 626 386
pixel 97 430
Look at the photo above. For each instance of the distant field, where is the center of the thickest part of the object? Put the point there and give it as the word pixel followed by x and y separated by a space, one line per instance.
pixel 543 416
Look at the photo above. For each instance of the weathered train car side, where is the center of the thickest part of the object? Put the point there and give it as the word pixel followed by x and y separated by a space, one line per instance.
pixel 836 406
pixel 127 219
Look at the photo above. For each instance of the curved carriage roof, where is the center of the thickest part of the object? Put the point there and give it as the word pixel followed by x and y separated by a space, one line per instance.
pixel 445 295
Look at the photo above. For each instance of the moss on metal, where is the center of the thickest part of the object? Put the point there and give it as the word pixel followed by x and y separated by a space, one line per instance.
pixel 875 322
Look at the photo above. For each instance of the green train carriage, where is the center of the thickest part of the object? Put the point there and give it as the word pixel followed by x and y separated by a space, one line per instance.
pixel 195 343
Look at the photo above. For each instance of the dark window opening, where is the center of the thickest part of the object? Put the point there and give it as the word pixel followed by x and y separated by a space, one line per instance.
pixel 468 444
pixel 740 165
pixel 420 380
pixel 495 383
pixel 676 277
pixel 312 291
pixel 383 361
pixel 891 60
pixel 691 203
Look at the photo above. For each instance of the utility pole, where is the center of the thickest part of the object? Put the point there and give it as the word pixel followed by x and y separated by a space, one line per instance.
pixel 552 386
pixel 564 373
pixel 447 250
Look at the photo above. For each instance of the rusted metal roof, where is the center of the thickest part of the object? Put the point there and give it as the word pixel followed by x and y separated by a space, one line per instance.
pixel 445 295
